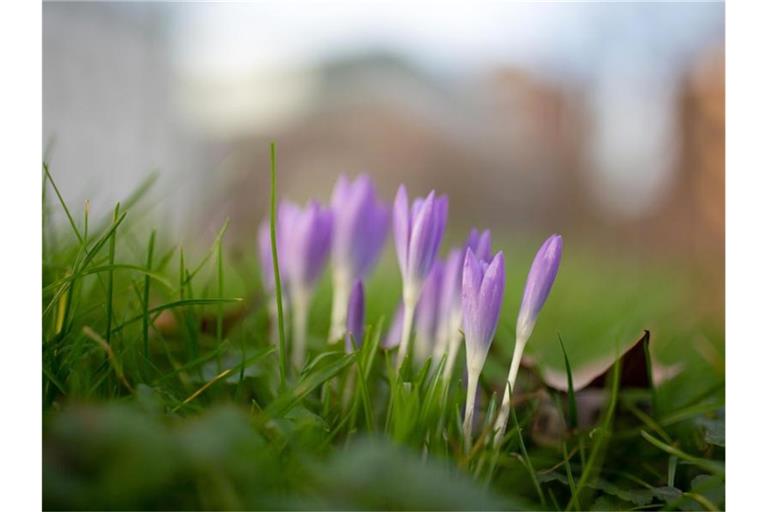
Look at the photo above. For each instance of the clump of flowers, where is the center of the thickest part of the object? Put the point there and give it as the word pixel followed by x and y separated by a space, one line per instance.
pixel 460 296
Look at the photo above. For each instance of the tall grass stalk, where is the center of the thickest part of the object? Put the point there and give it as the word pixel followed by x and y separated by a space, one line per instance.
pixel 276 265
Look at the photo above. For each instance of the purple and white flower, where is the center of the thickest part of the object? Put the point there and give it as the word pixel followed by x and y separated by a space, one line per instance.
pixel 541 277
pixel 449 335
pixel 418 231
pixel 304 242
pixel 361 223
pixel 482 293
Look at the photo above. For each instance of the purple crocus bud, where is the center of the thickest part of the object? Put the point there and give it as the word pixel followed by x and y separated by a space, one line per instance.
pixel 392 339
pixel 537 287
pixel 361 224
pixel 418 231
pixel 480 244
pixel 355 316
pixel 481 297
pixel 428 314
pixel 305 242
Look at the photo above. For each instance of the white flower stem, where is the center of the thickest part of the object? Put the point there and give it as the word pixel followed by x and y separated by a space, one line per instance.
pixel 272 311
pixel 469 411
pixel 299 314
pixel 341 290
pixel 501 420
pixel 409 309
pixel 454 343
pixel 441 343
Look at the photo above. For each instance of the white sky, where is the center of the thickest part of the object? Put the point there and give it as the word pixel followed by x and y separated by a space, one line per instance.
pixel 445 36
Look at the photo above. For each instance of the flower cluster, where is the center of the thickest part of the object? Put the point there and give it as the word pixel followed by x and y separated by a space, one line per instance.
pixel 442 300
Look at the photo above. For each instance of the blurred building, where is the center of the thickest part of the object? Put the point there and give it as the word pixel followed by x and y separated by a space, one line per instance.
pixel 505 146
pixel 628 151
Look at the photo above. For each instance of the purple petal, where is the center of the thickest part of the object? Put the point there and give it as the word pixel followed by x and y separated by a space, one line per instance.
pixel 428 308
pixel 451 294
pixel 472 239
pixel 340 193
pixel 428 229
pixel 401 226
pixel 482 294
pixel 360 226
pixel 395 332
pixel 355 316
pixel 307 235
pixel 484 246
pixel 541 277
pixel 472 279
pixel 491 296
pixel 480 243
pixel 288 214
pixel 419 258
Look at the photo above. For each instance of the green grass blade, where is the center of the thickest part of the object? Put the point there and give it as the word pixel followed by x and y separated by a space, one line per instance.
pixel 711 466
pixel 572 411
pixel 145 301
pixel 220 288
pixel 63 204
pixel 276 264
pixel 526 458
pixel 111 277
pixel 646 341
pixel 176 304
pixel 591 466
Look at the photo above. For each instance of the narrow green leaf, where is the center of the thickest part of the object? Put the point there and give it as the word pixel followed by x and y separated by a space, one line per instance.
pixel 572 411
pixel 276 265
pixel 714 467
pixel 145 301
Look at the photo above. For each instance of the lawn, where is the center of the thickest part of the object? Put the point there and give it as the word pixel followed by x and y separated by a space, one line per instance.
pixel 162 389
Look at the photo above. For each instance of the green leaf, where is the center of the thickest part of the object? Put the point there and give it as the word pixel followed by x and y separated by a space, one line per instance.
pixel 323 368
pixel 714 430
pixel 572 412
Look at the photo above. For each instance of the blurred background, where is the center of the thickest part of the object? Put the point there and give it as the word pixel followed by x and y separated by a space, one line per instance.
pixel 604 122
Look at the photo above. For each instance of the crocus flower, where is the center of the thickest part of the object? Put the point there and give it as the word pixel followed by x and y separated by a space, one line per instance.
pixel 392 339
pixel 481 294
pixel 360 226
pixel 449 337
pixel 305 241
pixel 540 280
pixel 418 231
pixel 428 314
pixel 355 316
pixel 537 287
